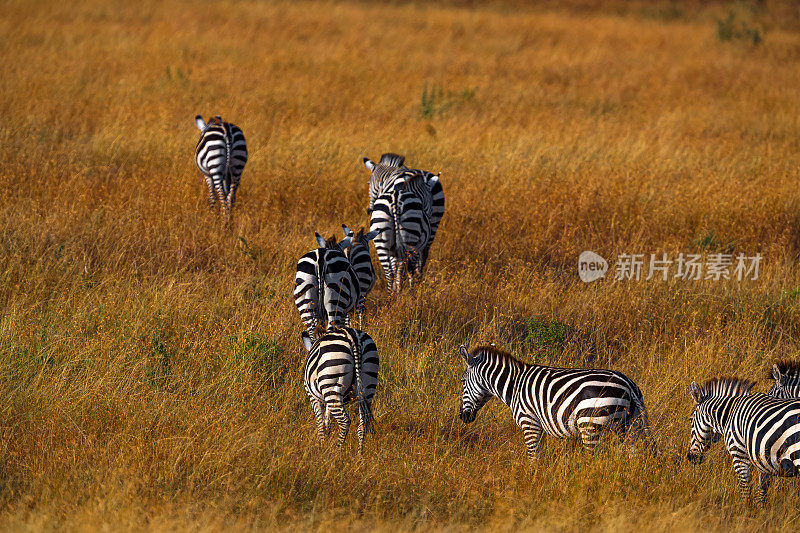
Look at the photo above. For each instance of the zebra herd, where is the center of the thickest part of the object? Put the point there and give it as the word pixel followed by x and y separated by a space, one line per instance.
pixel 406 207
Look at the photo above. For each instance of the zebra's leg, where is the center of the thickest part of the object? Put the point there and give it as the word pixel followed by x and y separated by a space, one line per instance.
pixel 742 469
pixel 362 424
pixel 590 434
pixel 319 414
pixel 532 431
pixel 764 479
pixel 338 413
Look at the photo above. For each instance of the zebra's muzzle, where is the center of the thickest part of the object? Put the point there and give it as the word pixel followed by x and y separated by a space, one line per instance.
pixel 467 416
pixel 694 457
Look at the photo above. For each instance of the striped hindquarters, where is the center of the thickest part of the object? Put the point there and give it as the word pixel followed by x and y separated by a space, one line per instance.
pixel 337 362
pixel 767 429
pixel 326 287
pixel 221 154
pixel 362 266
pixel 307 290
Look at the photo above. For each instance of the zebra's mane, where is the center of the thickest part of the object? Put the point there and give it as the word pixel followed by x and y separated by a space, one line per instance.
pixel 491 350
pixel 392 160
pixel 726 387
pixel 786 367
pixel 214 120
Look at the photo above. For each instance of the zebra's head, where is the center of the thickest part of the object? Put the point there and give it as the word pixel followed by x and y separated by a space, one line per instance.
pixel 378 172
pixel 786 375
pixel 331 243
pixel 711 411
pixel 474 392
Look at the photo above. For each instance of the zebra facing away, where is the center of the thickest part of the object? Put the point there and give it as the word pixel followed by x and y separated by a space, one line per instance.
pixel 326 286
pixel 406 206
pixel 786 375
pixel 342 366
pixel 358 254
pixel 220 155
pixel 562 402
pixel 757 429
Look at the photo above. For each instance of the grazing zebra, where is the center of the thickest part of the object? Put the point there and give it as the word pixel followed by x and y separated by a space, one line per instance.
pixel 562 402
pixel 342 365
pixel 358 254
pixel 326 287
pixel 757 428
pixel 221 154
pixel 787 379
pixel 406 206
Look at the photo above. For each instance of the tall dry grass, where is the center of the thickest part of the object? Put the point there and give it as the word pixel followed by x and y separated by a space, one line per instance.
pixel 150 361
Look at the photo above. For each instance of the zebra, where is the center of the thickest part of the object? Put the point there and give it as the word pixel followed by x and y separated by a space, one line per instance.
pixel 562 402
pixel 342 365
pixel 406 207
pixel 358 254
pixel 757 429
pixel 221 154
pixel 326 286
pixel 786 375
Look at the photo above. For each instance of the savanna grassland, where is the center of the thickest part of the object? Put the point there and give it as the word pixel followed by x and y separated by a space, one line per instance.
pixel 150 362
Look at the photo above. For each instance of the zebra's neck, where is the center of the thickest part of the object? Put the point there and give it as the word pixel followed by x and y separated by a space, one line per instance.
pixel 719 410
pixel 501 375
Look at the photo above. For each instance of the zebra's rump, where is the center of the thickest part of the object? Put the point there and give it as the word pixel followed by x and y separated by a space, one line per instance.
pixel 330 368
pixel 769 429
pixel 222 151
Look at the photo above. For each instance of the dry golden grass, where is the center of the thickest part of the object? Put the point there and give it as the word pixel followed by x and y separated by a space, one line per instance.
pixel 150 361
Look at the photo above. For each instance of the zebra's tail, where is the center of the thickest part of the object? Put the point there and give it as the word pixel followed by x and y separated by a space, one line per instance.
pixel 364 411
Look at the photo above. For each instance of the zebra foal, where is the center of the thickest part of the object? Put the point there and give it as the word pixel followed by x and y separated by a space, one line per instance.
pixel 342 366
pixel 562 402
pixel 757 428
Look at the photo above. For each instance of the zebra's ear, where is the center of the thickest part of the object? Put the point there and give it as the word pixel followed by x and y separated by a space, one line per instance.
pixel 347 231
pixel 345 243
pixel 368 163
pixel 201 124
pixel 433 180
pixel 372 234
pixel 464 354
pixel 320 241
pixel 694 392
pixel 776 373
pixel 307 342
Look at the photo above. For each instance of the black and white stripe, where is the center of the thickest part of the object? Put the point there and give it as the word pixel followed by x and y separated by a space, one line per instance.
pixel 562 402
pixel 326 287
pixel 358 254
pixel 757 429
pixel 407 206
pixel 342 366
pixel 221 154
pixel 786 375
